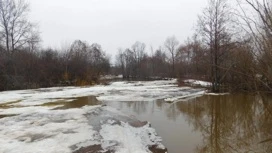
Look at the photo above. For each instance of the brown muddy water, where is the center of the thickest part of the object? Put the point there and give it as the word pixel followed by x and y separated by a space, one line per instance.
pixel 240 123
pixel 75 103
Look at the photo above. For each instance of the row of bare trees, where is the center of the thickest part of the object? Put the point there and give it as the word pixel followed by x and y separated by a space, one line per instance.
pixel 78 64
pixel 238 41
pixel 236 38
pixel 172 60
pixel 135 62
pixel 232 49
pixel 23 64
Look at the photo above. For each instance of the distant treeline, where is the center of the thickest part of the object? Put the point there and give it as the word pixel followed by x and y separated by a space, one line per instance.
pixel 231 48
pixel 80 64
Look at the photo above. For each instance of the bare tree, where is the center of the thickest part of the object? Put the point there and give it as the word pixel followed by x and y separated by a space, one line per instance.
pixel 120 62
pixel 17 31
pixel 138 48
pixel 214 25
pixel 33 40
pixel 259 27
pixel 160 64
pixel 171 44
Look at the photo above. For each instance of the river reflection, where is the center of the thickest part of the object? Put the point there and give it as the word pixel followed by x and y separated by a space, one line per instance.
pixel 232 123
pixel 209 124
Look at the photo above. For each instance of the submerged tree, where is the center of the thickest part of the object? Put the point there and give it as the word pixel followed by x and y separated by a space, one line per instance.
pixel 214 26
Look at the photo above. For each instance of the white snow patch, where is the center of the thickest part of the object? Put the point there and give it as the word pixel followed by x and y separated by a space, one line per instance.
pixel 185 97
pixel 132 140
pixel 217 94
pixel 21 110
pixel 110 77
pixel 198 83
pixel 45 131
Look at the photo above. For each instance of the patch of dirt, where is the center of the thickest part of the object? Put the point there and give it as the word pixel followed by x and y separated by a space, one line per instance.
pixel 75 103
pixel 98 149
pixel 10 115
pixel 155 149
pixel 137 124
pixel 93 149
pixel 9 104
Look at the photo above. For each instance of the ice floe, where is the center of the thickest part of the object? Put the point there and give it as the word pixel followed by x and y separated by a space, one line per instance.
pixel 197 83
pixel 65 131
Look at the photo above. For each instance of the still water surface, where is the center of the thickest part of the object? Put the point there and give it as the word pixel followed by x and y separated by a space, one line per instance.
pixel 214 124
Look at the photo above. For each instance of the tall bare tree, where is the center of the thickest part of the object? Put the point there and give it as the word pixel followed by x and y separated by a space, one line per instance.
pixel 214 26
pixel 16 30
pixel 171 44
pixel 138 48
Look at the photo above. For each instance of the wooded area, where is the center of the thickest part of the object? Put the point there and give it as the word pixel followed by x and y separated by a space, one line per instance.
pixel 231 47
pixel 24 64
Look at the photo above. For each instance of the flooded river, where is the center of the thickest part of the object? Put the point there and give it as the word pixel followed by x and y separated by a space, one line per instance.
pixel 187 120
pixel 212 124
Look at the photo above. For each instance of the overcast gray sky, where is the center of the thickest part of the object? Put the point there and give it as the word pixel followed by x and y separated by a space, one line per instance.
pixel 114 23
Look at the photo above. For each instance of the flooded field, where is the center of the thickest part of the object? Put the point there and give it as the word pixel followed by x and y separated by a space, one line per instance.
pixel 108 118
pixel 212 124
